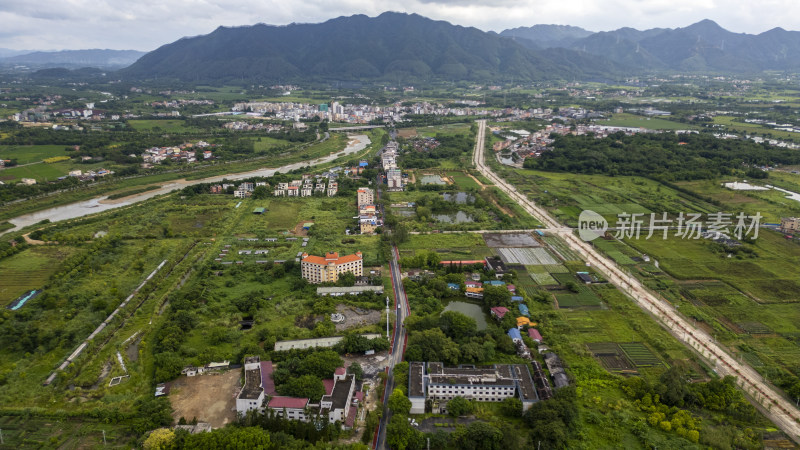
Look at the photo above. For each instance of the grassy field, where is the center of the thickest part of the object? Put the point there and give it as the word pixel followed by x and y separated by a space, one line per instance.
pixel 635 121
pixel 25 154
pixel 42 172
pixel 167 125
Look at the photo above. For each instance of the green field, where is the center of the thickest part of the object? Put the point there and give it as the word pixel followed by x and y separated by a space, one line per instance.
pixel 25 154
pixel 635 121
pixel 29 270
pixel 167 125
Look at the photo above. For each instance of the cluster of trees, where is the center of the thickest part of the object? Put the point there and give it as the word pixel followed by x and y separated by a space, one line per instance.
pixel 253 434
pixel 451 146
pixel 663 156
pixel 297 377
pixel 453 338
pixel 355 343
pixel 674 390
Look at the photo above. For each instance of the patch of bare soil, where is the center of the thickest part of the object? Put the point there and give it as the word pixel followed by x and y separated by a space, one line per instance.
pixel 209 398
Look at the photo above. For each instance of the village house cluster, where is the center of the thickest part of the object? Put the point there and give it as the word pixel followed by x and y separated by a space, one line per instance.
pixel 247 126
pixel 394 176
pixel 307 187
pixel 368 214
pixel 185 152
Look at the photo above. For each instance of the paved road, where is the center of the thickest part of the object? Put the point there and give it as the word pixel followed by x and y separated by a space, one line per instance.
pixel 398 342
pixel 781 411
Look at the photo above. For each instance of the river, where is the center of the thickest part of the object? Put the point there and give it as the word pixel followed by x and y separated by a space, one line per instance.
pixel 99 204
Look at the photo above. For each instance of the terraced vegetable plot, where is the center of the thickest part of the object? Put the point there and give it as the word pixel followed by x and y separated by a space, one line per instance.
pixel 754 328
pixel 543 279
pixel 612 358
pixel 639 354
pixel 526 256
pixel 561 249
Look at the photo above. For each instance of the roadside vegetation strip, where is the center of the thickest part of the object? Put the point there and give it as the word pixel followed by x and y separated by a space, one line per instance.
pixel 100 328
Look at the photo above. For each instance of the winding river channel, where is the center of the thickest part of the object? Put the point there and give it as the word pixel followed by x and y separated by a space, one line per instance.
pixel 99 204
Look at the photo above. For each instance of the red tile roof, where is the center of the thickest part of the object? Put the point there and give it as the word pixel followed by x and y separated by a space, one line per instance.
pixel 288 402
pixel 499 311
pixel 340 371
pixel 331 258
pixel 328 386
pixel 359 395
pixel 533 333
pixel 266 378
pixel 351 417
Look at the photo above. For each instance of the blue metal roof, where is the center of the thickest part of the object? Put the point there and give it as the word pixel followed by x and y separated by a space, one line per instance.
pixel 453 286
pixel 495 283
pixel 523 309
pixel 514 334
pixel 516 298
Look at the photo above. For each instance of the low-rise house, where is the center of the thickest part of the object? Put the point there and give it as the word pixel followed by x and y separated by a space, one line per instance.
pixel 498 312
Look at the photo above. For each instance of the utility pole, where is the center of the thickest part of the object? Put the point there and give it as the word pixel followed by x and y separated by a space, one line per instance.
pixel 1 436
pixel 387 317
pixel 104 437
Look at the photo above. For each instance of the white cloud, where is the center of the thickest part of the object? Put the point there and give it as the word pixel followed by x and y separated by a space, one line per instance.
pixel 148 24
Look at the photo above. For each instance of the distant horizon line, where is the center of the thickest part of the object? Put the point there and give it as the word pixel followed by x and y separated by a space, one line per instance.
pixel 28 51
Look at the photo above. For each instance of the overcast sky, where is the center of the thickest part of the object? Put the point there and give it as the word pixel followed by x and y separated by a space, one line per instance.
pixel 148 24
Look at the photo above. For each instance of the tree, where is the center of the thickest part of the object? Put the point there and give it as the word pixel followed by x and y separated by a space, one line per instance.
pixel 305 386
pixel 459 406
pixel 160 439
pixel 434 345
pixel 457 325
pixel 321 364
pixel 261 192
pixel 346 279
pixel 511 407
pixel 496 296
pixel 399 433
pixel 399 403
pixel 479 436
pixel 356 370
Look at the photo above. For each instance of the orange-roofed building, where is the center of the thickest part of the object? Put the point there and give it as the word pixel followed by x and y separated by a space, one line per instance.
pixel 318 269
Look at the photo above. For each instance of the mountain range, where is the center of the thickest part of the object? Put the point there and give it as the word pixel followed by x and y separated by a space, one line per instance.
pixel 99 58
pixel 393 46
pixel 404 48
pixel 702 47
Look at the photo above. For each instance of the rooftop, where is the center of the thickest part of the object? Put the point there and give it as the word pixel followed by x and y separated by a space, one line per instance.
pixel 266 378
pixel 288 402
pixel 527 390
pixel 341 390
pixel 252 384
pixel 415 382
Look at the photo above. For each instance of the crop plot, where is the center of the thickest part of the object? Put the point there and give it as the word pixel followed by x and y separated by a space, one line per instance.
pixel 754 328
pixel 612 357
pixel 526 256
pixel 516 240
pixel 561 249
pixel 639 354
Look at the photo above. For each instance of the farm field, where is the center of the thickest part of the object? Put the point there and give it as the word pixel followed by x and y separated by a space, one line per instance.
pixel 25 154
pixel 29 270
pixel 632 120
pixel 167 125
